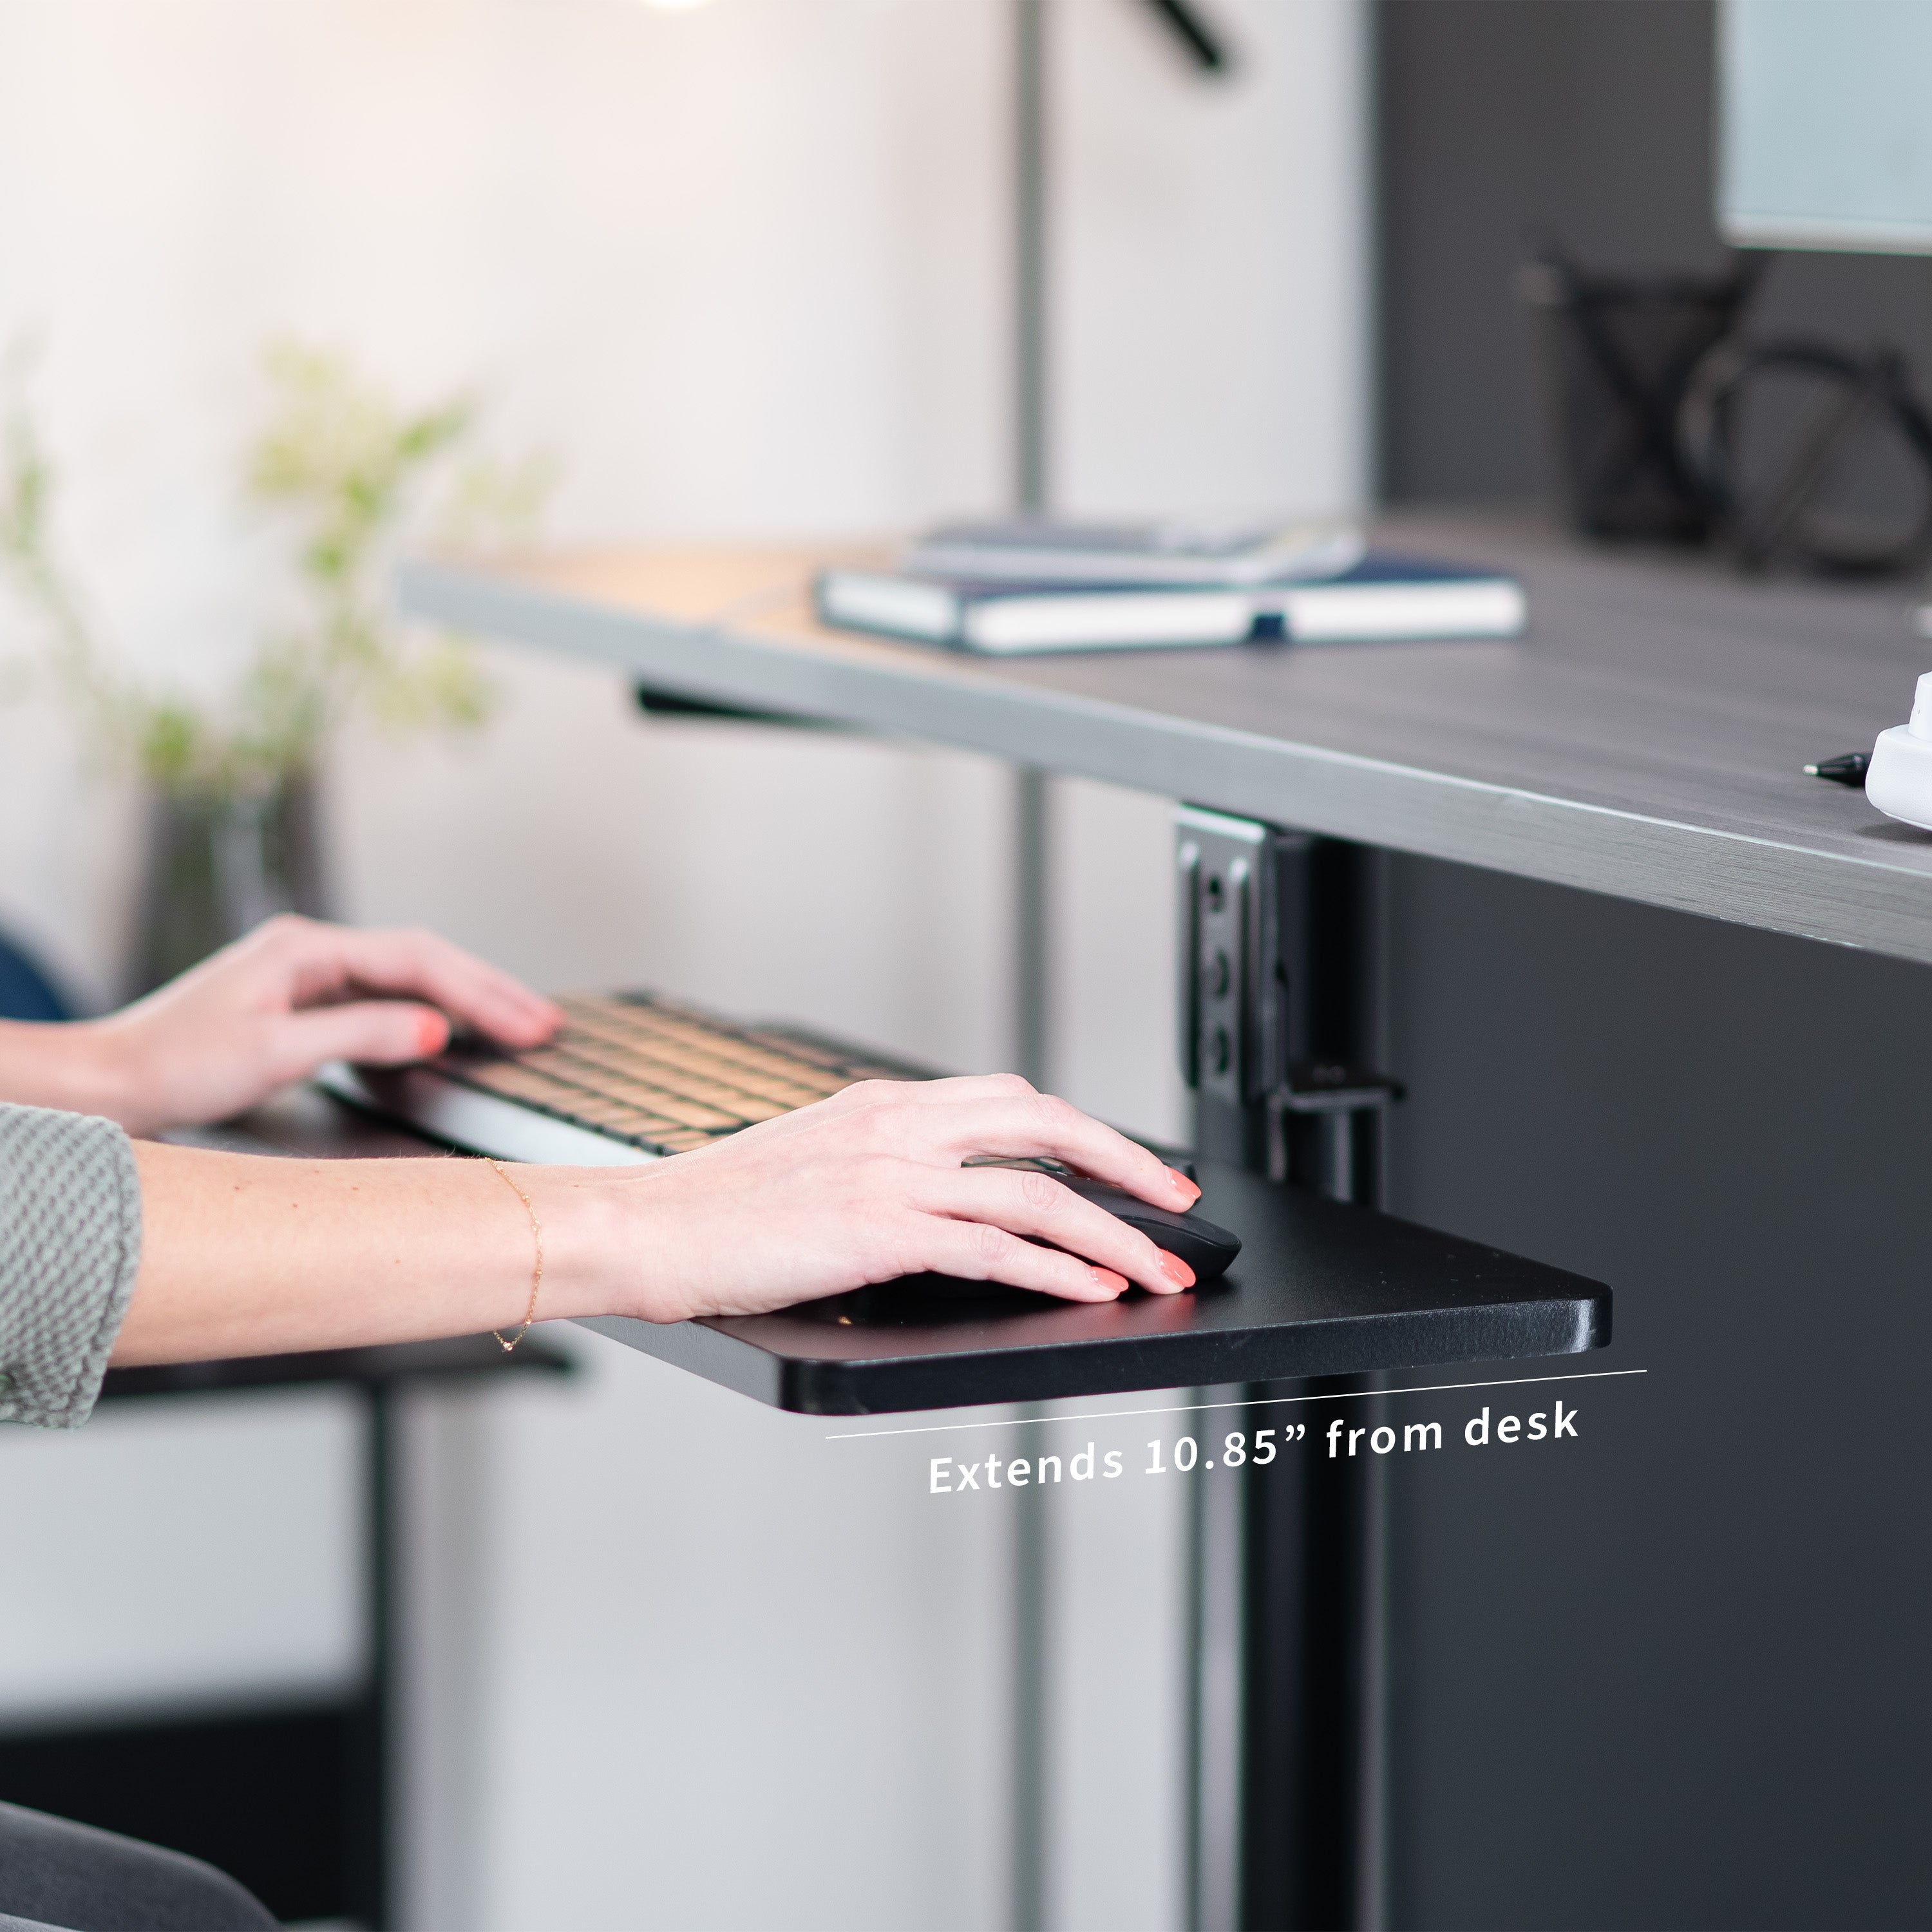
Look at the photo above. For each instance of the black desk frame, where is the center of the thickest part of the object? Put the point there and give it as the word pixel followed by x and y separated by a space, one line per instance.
pixel 1281 958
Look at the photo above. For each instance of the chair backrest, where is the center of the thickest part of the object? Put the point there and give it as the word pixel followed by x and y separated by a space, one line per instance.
pixel 26 993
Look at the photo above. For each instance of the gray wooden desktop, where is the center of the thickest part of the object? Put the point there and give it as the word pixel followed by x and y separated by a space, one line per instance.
pixel 1645 741
pixel 1677 1678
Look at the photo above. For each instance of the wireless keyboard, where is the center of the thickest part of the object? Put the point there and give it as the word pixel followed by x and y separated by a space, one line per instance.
pixel 632 1077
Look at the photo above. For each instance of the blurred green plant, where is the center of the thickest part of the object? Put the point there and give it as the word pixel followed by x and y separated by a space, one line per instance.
pixel 353 475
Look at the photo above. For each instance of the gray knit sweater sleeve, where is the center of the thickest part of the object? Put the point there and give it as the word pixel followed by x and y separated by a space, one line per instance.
pixel 69 1242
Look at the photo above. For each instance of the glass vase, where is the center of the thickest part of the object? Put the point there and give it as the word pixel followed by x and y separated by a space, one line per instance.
pixel 216 867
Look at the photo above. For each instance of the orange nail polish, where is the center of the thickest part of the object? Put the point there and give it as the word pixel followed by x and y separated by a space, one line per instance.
pixel 1177 1271
pixel 1114 1284
pixel 432 1034
pixel 1181 1180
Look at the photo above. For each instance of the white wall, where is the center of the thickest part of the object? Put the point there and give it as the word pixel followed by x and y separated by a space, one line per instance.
pixel 745 269
pixel 1212 331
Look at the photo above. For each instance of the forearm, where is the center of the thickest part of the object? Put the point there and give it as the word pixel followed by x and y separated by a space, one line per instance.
pixel 243 1254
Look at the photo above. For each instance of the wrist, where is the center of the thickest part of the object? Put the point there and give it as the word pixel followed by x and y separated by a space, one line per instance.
pixel 595 1260
pixel 110 1075
pixel 79 1066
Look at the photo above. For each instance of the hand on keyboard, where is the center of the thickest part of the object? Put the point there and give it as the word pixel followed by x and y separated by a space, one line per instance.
pixel 864 1187
pixel 273 1006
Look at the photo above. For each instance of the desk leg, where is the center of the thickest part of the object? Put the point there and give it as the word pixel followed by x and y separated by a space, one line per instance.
pixel 1216 1644
pixel 1029 1809
pixel 1031 413
pixel 1287 1825
pixel 370 1755
pixel 1287 1770
pixel 1032 1768
pixel 1312 1851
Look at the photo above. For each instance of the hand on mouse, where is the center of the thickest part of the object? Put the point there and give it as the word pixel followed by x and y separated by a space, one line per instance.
pixel 267 1010
pixel 868 1185
pixel 861 1188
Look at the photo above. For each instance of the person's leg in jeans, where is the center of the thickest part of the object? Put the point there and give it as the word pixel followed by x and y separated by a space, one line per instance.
pixel 54 1873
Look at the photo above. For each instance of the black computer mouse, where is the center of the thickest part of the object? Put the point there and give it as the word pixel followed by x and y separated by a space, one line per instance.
pixel 1208 1250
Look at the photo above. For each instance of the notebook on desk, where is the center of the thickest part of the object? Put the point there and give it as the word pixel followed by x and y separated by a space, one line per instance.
pixel 632 1077
pixel 1379 598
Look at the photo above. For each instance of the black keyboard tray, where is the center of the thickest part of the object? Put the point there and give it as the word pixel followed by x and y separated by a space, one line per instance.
pixel 1320 1288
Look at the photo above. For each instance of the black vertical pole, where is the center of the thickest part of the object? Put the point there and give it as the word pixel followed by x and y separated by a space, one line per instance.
pixel 1312 1771
pixel 1281 970
pixel 371 1767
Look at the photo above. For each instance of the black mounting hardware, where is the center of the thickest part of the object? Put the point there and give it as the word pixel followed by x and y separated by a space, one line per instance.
pixel 1266 1042
pixel 658 702
pixel 1209 50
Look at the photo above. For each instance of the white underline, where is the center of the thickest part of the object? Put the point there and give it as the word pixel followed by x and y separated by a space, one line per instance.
pixel 1258 1402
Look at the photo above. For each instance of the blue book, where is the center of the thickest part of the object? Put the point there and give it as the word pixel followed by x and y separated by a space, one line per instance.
pixel 1380 598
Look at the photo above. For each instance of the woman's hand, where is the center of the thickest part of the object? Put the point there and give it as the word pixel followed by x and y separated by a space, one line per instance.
pixel 247 1254
pixel 870 1185
pixel 273 1006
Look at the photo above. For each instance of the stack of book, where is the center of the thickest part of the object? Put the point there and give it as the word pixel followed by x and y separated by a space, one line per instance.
pixel 1012 589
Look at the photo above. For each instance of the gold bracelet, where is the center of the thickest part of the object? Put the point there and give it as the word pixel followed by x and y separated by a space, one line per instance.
pixel 536 1279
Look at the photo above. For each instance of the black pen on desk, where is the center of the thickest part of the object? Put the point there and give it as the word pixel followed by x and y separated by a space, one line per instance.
pixel 1849 768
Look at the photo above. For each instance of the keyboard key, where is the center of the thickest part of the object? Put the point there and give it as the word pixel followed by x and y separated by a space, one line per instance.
pixel 656 1074
pixel 755 1111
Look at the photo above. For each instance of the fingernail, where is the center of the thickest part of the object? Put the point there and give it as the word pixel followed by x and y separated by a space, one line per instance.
pixel 1177 1271
pixel 1114 1284
pixel 432 1033
pixel 1179 1180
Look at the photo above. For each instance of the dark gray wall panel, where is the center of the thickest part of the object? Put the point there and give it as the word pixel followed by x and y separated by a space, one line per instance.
pixel 1498 118
pixel 1673 1674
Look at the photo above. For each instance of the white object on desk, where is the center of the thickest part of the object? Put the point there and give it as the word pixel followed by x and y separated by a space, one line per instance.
pixel 1899 779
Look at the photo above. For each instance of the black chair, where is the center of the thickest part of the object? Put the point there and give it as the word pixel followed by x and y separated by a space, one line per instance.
pixel 26 992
